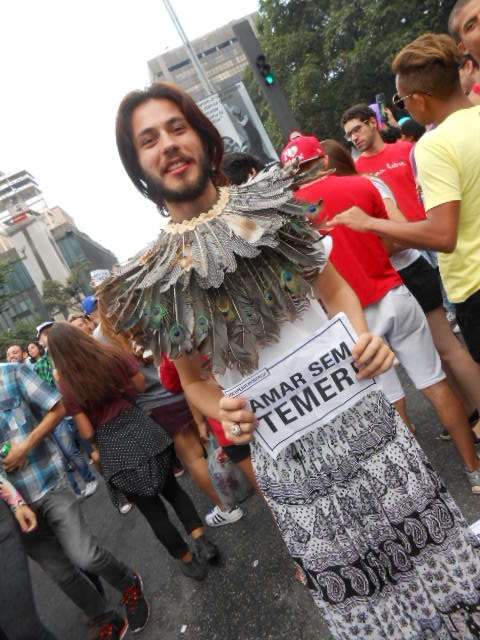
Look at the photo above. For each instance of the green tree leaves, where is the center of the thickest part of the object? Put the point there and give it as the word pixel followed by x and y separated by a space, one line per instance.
pixel 330 54
pixel 57 297
pixel 6 269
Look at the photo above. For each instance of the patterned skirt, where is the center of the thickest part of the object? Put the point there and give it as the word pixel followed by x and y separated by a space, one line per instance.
pixel 384 548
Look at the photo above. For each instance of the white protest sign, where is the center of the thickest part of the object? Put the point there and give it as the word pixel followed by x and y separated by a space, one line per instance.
pixel 306 387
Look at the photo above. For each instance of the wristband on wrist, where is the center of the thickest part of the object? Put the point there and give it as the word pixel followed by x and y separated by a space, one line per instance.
pixel 19 503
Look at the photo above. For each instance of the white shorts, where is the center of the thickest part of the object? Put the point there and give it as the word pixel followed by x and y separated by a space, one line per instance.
pixel 399 319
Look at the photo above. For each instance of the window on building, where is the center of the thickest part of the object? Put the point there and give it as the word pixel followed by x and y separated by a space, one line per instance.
pixel 20 278
pixel 21 307
pixel 70 249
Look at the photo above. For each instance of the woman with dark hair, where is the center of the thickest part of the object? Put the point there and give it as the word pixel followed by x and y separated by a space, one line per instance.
pixel 35 352
pixel 184 424
pixel 339 158
pixel 99 384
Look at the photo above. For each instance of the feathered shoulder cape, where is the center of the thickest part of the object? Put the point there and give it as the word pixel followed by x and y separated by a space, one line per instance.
pixel 224 282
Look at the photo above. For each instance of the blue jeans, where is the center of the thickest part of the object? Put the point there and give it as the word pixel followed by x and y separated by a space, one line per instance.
pixel 18 616
pixel 63 543
pixel 64 437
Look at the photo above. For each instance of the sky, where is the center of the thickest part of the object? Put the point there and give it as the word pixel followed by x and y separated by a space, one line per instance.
pixel 65 68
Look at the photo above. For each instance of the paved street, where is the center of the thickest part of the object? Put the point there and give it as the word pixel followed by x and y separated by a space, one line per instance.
pixel 252 595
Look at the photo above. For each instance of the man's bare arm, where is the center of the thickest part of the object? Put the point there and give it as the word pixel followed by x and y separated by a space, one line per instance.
pixel 438 232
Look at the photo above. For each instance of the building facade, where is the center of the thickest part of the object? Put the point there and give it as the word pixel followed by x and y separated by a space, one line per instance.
pixel 219 53
pixel 38 244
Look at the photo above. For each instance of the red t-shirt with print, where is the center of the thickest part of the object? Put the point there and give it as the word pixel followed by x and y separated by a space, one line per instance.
pixel 359 257
pixel 392 165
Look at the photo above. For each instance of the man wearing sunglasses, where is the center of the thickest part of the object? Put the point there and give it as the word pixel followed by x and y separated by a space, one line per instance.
pixel 392 164
pixel 448 161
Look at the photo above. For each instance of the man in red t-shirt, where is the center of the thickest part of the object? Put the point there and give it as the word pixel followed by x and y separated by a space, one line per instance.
pixel 391 163
pixel 360 258
pixel 363 261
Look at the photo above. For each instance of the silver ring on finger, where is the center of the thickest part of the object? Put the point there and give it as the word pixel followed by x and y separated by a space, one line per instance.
pixel 236 429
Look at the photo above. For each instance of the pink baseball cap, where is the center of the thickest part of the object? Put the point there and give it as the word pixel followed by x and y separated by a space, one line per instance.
pixel 305 148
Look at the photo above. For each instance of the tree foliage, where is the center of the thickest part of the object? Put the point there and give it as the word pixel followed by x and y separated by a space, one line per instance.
pixel 57 297
pixel 6 269
pixel 77 285
pixel 330 54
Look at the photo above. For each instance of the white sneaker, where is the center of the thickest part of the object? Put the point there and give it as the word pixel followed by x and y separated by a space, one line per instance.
pixel 124 507
pixel 216 517
pixel 474 480
pixel 90 488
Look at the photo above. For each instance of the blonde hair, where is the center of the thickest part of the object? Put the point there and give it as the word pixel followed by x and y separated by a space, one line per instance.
pixel 430 63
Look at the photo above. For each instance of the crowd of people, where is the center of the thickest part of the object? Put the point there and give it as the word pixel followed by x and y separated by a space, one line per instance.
pixel 252 262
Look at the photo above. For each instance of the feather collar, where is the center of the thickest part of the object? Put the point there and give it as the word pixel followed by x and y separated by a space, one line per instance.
pixel 224 282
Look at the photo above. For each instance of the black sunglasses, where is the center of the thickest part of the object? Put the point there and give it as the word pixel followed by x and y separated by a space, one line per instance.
pixel 400 101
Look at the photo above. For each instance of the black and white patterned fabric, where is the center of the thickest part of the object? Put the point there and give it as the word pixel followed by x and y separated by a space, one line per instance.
pixel 135 453
pixel 385 550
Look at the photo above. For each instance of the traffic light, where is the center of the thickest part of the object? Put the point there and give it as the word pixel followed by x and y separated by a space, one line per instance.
pixel 265 70
pixel 270 85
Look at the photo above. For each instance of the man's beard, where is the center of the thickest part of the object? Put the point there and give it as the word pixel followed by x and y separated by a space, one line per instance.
pixel 160 193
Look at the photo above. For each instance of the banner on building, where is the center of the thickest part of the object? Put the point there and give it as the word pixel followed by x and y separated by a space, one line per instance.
pixel 233 113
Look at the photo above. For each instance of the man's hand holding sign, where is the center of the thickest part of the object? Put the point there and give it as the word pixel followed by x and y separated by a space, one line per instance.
pixel 306 387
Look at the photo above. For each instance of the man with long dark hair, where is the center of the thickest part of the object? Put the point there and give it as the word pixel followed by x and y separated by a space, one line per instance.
pixel 235 276
pixel 181 176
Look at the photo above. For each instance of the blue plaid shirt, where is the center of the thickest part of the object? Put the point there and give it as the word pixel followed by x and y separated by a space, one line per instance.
pixel 21 391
